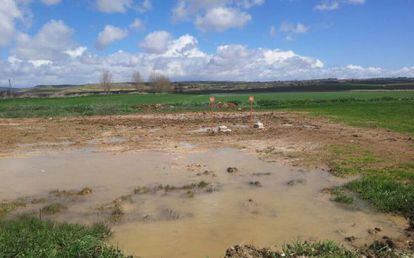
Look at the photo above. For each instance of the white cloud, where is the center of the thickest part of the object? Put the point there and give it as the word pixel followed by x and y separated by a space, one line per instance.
pixel 298 28
pixel 222 18
pixel 145 6
pixel 291 29
pixel 51 2
pixel 48 44
pixel 137 24
pixel 249 3
pixel 330 5
pixel 216 15
pixel 156 42
pixel 9 13
pixel 113 6
pixel 109 35
pixel 76 52
pixel 52 57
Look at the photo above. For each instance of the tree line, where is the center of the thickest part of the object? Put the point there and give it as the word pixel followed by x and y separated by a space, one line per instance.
pixel 157 81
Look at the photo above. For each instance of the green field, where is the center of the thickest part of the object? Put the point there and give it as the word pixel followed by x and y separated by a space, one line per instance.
pixel 388 109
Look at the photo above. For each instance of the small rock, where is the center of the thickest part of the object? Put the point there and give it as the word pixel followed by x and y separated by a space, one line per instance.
pixel 232 170
pixel 255 183
pixel 258 125
pixel 350 239
pixel 296 182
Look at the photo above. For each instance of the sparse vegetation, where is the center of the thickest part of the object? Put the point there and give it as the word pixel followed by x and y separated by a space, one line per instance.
pixel 325 249
pixel 7 207
pixel 65 193
pixel 53 208
pixel 340 196
pixel 170 188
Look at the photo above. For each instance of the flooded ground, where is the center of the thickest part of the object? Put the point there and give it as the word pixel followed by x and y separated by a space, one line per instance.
pixel 191 203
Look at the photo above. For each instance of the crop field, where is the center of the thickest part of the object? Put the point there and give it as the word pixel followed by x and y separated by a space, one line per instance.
pixel 330 174
pixel 389 109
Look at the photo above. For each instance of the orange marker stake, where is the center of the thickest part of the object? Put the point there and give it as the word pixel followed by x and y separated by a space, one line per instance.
pixel 212 102
pixel 251 100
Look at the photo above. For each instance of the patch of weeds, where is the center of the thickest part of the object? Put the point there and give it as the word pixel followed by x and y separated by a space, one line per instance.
pixel 85 191
pixel 38 200
pixel 53 208
pixel 117 212
pixel 7 207
pixel 31 237
pixel 340 196
pixel 299 181
pixel 350 159
pixel 322 249
pixel 190 194
pixel 65 193
pixel 385 193
pixel 202 184
pixel 141 190
pixel 384 247
pixel 171 188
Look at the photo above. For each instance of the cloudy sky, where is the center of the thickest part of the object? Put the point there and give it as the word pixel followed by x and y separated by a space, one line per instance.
pixel 73 41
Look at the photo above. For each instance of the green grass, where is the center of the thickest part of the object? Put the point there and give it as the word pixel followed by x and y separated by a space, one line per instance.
pixel 7 207
pixel 349 159
pixel 340 196
pixel 385 193
pixel 387 184
pixel 31 237
pixel 397 116
pixel 327 249
pixel 389 109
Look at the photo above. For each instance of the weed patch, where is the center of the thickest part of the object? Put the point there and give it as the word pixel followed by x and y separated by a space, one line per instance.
pixel 53 208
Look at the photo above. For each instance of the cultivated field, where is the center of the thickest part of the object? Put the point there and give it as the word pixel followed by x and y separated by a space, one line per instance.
pixel 330 175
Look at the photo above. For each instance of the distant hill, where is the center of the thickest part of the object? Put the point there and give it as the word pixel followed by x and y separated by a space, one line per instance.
pixel 203 87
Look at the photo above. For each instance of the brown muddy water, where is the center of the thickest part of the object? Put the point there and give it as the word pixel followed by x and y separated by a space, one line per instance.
pixel 262 203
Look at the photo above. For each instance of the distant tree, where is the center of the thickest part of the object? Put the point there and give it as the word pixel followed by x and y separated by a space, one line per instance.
pixel 160 82
pixel 137 80
pixel 106 81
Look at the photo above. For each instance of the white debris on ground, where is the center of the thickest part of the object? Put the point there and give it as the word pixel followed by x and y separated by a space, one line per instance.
pixel 219 129
pixel 258 125
pixel 223 129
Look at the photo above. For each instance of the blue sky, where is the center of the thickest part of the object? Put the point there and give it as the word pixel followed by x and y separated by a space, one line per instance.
pixel 62 41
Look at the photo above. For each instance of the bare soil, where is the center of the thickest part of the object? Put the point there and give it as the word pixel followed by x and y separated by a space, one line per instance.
pixel 294 138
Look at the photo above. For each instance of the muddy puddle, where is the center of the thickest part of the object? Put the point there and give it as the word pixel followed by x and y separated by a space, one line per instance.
pixel 195 203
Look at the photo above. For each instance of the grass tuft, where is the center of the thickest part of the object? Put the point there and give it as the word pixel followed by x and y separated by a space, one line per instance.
pixel 322 249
